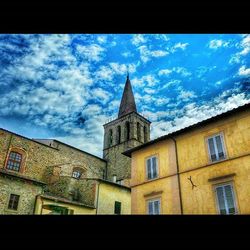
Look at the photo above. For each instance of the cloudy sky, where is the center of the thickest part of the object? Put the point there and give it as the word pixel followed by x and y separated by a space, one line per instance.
pixel 67 86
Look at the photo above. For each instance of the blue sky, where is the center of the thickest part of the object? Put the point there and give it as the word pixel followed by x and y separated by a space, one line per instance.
pixel 67 86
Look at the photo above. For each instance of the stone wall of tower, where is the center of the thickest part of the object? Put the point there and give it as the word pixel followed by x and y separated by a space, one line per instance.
pixel 118 164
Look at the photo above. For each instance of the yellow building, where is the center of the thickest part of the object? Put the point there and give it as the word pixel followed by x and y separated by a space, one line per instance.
pixel 110 198
pixel 201 169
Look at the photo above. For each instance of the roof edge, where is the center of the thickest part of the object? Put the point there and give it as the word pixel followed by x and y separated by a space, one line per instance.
pixel 186 129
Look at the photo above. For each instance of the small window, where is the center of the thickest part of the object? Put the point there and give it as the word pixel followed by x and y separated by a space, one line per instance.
pixel 225 199
pixel 13 202
pixel 216 148
pixel 118 206
pixel 152 168
pixel 76 173
pixel 154 206
pixel 14 161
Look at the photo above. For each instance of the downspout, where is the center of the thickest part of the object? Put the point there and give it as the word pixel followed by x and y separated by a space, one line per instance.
pixel 97 198
pixel 35 205
pixel 178 174
pixel 8 148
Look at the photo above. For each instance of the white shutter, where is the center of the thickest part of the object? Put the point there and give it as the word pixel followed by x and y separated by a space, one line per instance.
pixel 221 200
pixel 219 147
pixel 154 167
pixel 150 207
pixel 212 149
pixel 157 207
pixel 229 199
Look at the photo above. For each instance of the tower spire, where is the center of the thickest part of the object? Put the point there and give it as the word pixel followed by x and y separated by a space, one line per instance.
pixel 128 101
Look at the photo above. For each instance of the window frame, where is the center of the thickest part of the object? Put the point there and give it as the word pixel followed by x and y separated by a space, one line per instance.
pixel 215 147
pixel 14 161
pixel 157 167
pixel 24 156
pixel 78 171
pixel 153 200
pixel 120 204
pixel 18 203
pixel 223 184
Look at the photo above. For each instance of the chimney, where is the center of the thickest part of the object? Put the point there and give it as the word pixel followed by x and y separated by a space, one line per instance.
pixel 114 178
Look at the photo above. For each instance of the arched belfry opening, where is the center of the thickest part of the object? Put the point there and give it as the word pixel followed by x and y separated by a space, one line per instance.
pixel 110 139
pixel 145 134
pixel 127 131
pixel 118 135
pixel 138 129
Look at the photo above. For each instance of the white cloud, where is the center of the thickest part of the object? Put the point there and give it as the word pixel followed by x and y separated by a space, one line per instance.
pixel 147 54
pixel 164 72
pixel 120 69
pixel 171 83
pixel 243 71
pixel 245 49
pixel 193 113
pixel 179 45
pixel 104 73
pixel 217 43
pixel 147 80
pixel 102 39
pixel 186 95
pixel 92 52
pixel 138 39
pixel 102 95
pixel 179 70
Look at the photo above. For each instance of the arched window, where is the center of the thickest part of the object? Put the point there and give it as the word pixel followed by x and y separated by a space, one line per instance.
pixel 145 132
pixel 138 131
pixel 118 134
pixel 14 161
pixel 110 137
pixel 127 131
pixel 77 172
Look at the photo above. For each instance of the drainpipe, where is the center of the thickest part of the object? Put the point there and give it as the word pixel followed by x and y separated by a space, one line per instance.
pixel 178 173
pixel 8 150
pixel 97 198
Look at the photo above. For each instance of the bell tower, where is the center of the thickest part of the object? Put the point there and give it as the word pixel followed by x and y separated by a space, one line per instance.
pixel 128 130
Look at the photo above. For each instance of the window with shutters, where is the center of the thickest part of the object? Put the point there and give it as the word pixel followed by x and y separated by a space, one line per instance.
pixel 216 148
pixel 225 198
pixel 154 206
pixel 152 168
pixel 118 206
pixel 13 202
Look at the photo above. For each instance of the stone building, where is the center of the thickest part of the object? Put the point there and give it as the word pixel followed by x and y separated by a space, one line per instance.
pixel 29 168
pixel 129 130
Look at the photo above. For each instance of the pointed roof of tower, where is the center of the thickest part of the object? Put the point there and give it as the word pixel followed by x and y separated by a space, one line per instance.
pixel 128 101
